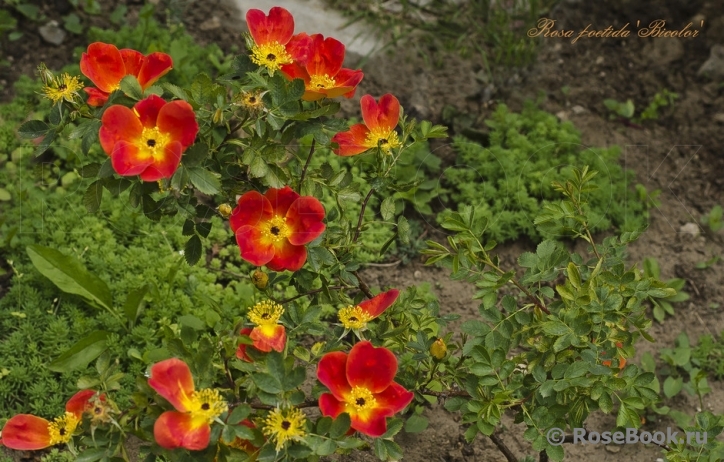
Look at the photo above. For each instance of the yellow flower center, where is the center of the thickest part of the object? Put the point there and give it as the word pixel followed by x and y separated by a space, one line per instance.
pixel 284 425
pixel 61 429
pixel 386 141
pixel 266 313
pixel 276 229
pixel 354 317
pixel 361 399
pixel 152 143
pixel 250 100
pixel 207 404
pixel 272 55
pixel 63 87
pixel 321 82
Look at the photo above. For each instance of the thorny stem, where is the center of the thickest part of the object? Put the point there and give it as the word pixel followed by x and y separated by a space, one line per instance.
pixel 510 457
pixel 490 263
pixel 266 407
pixel 362 215
pixel 445 394
pixel 309 158
pixel 362 286
pixel 311 292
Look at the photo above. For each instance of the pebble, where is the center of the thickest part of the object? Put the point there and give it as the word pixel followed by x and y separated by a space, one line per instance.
pixel 52 33
pixel 599 60
pixel 614 448
pixel 562 115
pixel 714 66
pixel 663 52
pixel 212 23
pixel 578 109
pixel 417 274
pixel 691 229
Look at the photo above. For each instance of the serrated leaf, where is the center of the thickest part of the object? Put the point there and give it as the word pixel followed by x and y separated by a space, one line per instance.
pixel 193 250
pixel 130 86
pixel 33 129
pixel 93 196
pixel 387 208
pixel 204 180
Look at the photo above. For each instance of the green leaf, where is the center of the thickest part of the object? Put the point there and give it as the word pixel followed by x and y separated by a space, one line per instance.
pixel 91 455
pixel 340 426
pixel 131 87
pixel 193 250
pixel 403 230
pixel 81 354
pixel 672 386
pixel 69 275
pixel 416 424
pixel 4 195
pixel 267 383
pixel 605 402
pixel 388 208
pixel 93 196
pixel 239 413
pixel 195 155
pixel 134 304
pixel 33 129
pixel 204 180
pixel 192 322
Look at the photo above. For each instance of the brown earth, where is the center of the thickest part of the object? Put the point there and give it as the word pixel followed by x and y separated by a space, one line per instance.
pixel 681 154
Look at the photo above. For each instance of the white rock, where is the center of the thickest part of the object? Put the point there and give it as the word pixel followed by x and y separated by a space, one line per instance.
pixel 212 23
pixel 52 33
pixel 691 229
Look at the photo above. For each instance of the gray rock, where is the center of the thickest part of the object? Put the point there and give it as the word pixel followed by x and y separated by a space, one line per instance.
pixel 52 33
pixel 714 66
pixel 212 23
pixel 664 52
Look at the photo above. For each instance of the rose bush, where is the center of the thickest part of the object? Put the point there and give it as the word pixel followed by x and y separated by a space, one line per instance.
pixel 224 389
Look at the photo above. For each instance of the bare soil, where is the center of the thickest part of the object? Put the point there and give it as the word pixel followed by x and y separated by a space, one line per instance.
pixel 681 154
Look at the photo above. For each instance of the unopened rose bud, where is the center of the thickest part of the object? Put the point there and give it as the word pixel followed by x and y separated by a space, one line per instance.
pixel 224 210
pixel 438 349
pixel 46 76
pixel 260 279
pixel 218 116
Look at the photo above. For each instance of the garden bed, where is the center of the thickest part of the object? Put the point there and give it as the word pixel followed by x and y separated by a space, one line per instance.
pixel 681 154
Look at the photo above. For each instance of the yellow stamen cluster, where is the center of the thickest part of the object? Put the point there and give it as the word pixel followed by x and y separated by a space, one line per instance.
pixel 354 317
pixel 251 101
pixel 272 55
pixel 321 82
pixel 361 399
pixel 152 143
pixel 284 425
pixel 276 229
pixel 61 429
pixel 386 141
pixel 266 313
pixel 207 404
pixel 62 87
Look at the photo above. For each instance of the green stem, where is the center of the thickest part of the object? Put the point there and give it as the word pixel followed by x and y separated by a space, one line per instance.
pixel 304 170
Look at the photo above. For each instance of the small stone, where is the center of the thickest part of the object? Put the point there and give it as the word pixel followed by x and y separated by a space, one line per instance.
pixel 599 60
pixel 663 52
pixel 52 33
pixel 578 109
pixel 719 117
pixel 212 23
pixel 691 229
pixel 714 66
pixel 602 74
pixel 562 115
pixel 417 274
pixel 659 460
pixel 614 448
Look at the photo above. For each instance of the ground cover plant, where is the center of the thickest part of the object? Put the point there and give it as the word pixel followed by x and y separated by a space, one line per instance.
pixel 554 339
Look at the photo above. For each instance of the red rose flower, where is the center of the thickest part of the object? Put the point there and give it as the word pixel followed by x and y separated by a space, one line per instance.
pixel 271 34
pixel 318 61
pixel 27 432
pixel 378 131
pixel 105 65
pixel 149 139
pixel 272 229
pixel 362 385
pixel 189 426
pixel 357 317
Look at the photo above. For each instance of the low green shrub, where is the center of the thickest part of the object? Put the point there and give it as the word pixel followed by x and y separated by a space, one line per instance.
pixel 509 181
